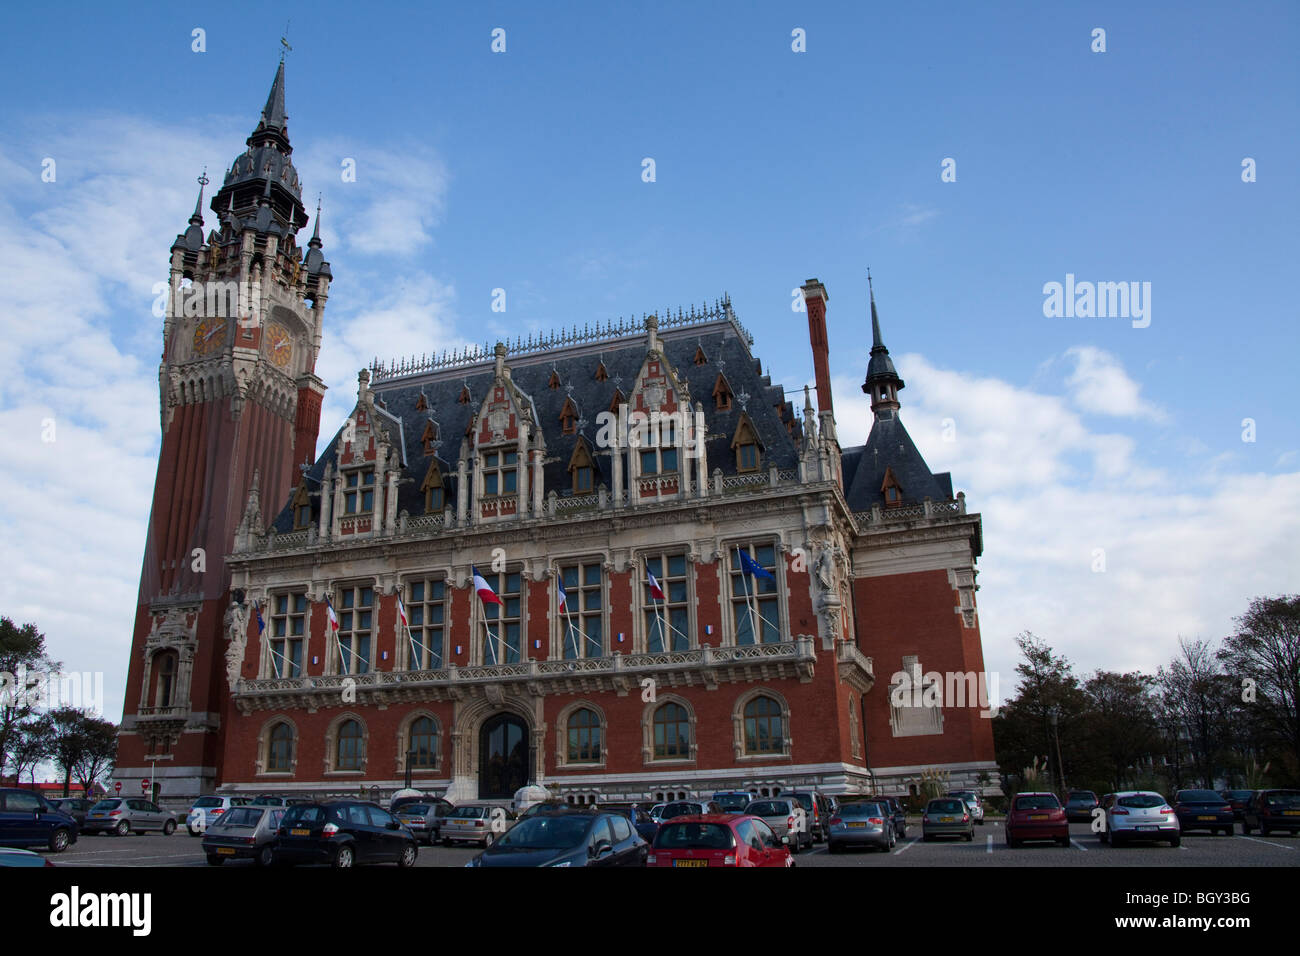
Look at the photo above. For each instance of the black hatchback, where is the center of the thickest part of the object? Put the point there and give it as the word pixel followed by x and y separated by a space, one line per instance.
pixel 342 833
pixel 567 839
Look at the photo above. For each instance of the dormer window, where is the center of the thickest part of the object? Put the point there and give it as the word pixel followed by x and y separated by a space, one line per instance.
pixel 464 398
pixel 422 403
pixel 301 507
pixel 569 417
pixel 429 436
pixel 434 499
pixel 359 492
pixel 554 381
pixel 722 393
pixel 582 468
pixel 500 473
pixel 618 399
pixel 746 445
pixel 662 457
pixel 601 373
pixel 700 357
pixel 891 489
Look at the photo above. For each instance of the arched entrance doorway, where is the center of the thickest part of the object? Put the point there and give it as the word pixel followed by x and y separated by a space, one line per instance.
pixel 503 756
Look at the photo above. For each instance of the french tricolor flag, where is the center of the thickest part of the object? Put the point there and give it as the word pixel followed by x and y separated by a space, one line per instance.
pixel 334 618
pixel 563 596
pixel 656 591
pixel 485 592
pixel 401 611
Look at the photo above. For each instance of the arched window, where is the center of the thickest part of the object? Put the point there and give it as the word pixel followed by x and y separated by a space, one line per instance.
pixel 764 726
pixel 584 736
pixel 350 749
pixel 672 732
pixel 165 684
pixel 279 752
pixel 422 745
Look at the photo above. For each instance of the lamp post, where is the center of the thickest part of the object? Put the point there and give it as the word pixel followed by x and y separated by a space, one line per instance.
pixel 1054 714
pixel 410 755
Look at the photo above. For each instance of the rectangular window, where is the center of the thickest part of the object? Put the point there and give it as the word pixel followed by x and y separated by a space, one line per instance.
pixel 433 501
pixel 288 633
pixel 582 481
pixel 582 620
pixel 755 606
pixel 426 609
pixel 359 492
pixel 352 647
pixel 667 623
pixel 747 457
pixel 301 517
pixel 500 473
pixel 502 624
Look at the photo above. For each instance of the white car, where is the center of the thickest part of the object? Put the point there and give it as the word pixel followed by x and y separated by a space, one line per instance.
pixel 1139 815
pixel 207 810
pixel 973 801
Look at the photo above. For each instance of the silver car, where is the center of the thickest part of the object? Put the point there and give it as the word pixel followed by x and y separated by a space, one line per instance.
pixel 481 822
pixel 1139 815
pixel 785 818
pixel 244 833
pixel 861 824
pixel 974 803
pixel 122 815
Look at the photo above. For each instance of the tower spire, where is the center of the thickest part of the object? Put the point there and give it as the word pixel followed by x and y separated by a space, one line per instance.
pixel 273 112
pixel 197 218
pixel 882 383
pixel 875 319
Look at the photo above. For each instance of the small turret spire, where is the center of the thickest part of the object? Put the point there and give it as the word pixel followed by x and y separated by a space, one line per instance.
pixel 197 218
pixel 882 383
pixel 315 242
pixel 273 112
pixel 876 343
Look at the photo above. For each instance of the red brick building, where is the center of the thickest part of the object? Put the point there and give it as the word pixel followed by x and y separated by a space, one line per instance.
pixel 739 592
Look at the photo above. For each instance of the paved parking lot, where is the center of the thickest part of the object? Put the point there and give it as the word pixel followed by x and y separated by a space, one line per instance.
pixel 988 849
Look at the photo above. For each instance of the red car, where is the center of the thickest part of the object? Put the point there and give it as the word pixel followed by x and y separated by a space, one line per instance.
pixel 1037 816
pixel 714 839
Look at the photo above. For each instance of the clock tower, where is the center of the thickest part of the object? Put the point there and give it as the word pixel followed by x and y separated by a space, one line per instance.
pixel 240 405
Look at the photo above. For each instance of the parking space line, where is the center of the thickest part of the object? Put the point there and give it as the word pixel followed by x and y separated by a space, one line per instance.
pixel 1079 845
pixel 1265 842
pixel 988 844
pixel 908 845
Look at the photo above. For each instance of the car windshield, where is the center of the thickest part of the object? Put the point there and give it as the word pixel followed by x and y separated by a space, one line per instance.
pixel 1037 801
pixel 301 814
pixel 1288 798
pixel 553 832
pixel 679 810
pixel 1141 801
pixel 732 802
pixel 694 836
pixel 1199 796
pixel 106 805
pixel 768 808
pixel 242 817
pixel 805 800
pixel 946 806
pixel 1081 795
pixel 472 813
pixel 415 808
pixel 204 802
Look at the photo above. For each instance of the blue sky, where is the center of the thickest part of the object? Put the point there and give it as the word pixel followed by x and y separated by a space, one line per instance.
pixel 522 171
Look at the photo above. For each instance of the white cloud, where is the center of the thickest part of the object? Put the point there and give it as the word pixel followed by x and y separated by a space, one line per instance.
pixel 1100 384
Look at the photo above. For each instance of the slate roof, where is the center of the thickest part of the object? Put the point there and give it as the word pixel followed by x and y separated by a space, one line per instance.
pixel 890 446
pixel 531 373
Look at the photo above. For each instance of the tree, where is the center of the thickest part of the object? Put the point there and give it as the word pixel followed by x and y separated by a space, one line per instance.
pixel 1122 728
pixel 1265 650
pixel 69 739
pixel 30 744
pixel 1023 729
pixel 1197 704
pixel 22 662
pixel 99 753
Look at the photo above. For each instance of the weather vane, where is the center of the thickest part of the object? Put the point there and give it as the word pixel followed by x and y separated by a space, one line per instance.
pixel 203 179
pixel 284 41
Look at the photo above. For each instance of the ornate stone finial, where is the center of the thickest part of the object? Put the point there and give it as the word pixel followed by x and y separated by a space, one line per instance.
pixel 500 353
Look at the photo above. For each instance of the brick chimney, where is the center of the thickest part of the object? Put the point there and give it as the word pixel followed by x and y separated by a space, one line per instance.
pixel 815 299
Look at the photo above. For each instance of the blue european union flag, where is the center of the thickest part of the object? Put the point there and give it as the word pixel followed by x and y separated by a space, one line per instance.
pixel 750 566
pixel 261 625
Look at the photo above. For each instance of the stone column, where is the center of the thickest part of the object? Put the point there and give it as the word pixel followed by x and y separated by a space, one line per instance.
pixel 537 481
pixel 521 483
pixel 390 503
pixel 462 494
pixel 702 450
pixel 326 501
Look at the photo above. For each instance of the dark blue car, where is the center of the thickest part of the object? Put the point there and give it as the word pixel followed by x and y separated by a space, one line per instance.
pixel 636 815
pixel 579 837
pixel 27 820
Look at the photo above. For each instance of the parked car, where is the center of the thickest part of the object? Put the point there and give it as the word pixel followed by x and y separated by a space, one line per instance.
pixel 785 817
pixel 861 824
pixel 206 810
pixel 899 814
pixel 122 815
pixel 1079 805
pixel 75 807
pixel 1037 816
pixel 398 803
pixel 244 833
pixel 480 821
pixel 425 819
pixel 819 811
pixel 1237 800
pixel 27 819
pixel 1203 810
pixel 974 803
pixel 577 837
pixel 710 840
pixel 1271 810
pixel 342 833
pixel 1139 815
pixel 682 808
pixel 641 821
pixel 656 812
pixel 733 801
pixel 947 816
pixel 21 858
pixel 545 806
pixel 268 800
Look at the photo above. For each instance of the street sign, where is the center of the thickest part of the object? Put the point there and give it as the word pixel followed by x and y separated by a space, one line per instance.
pixel 144 785
pixel 118 786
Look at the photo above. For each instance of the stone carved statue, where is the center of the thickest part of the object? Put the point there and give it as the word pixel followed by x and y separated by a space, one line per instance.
pixel 825 570
pixel 236 624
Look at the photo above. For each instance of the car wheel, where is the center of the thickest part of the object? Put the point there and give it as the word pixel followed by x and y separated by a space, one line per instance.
pixel 1264 830
pixel 266 855
pixel 408 856
pixel 214 860
pixel 968 837
pixel 832 847
pixel 122 828
pixel 489 840
pixel 193 832
pixel 928 838
pixel 1245 828
pixel 58 840
pixel 1116 840
pixel 343 858
pixel 794 847
pixel 1063 841
pixel 169 828
pixel 1175 840
pixel 446 841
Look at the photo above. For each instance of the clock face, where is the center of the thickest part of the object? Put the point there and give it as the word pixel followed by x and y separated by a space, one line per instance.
pixel 209 335
pixel 279 345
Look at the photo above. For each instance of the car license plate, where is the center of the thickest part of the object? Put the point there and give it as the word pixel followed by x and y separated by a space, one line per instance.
pixel 462 823
pixel 300 833
pixel 690 862
pixel 1206 817
pixel 1291 813
pixel 1038 816
pixel 947 819
pixel 856 826
pixel 225 851
pixel 1148 828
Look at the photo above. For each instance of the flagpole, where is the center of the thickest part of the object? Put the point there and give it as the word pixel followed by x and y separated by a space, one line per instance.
pixel 745 585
